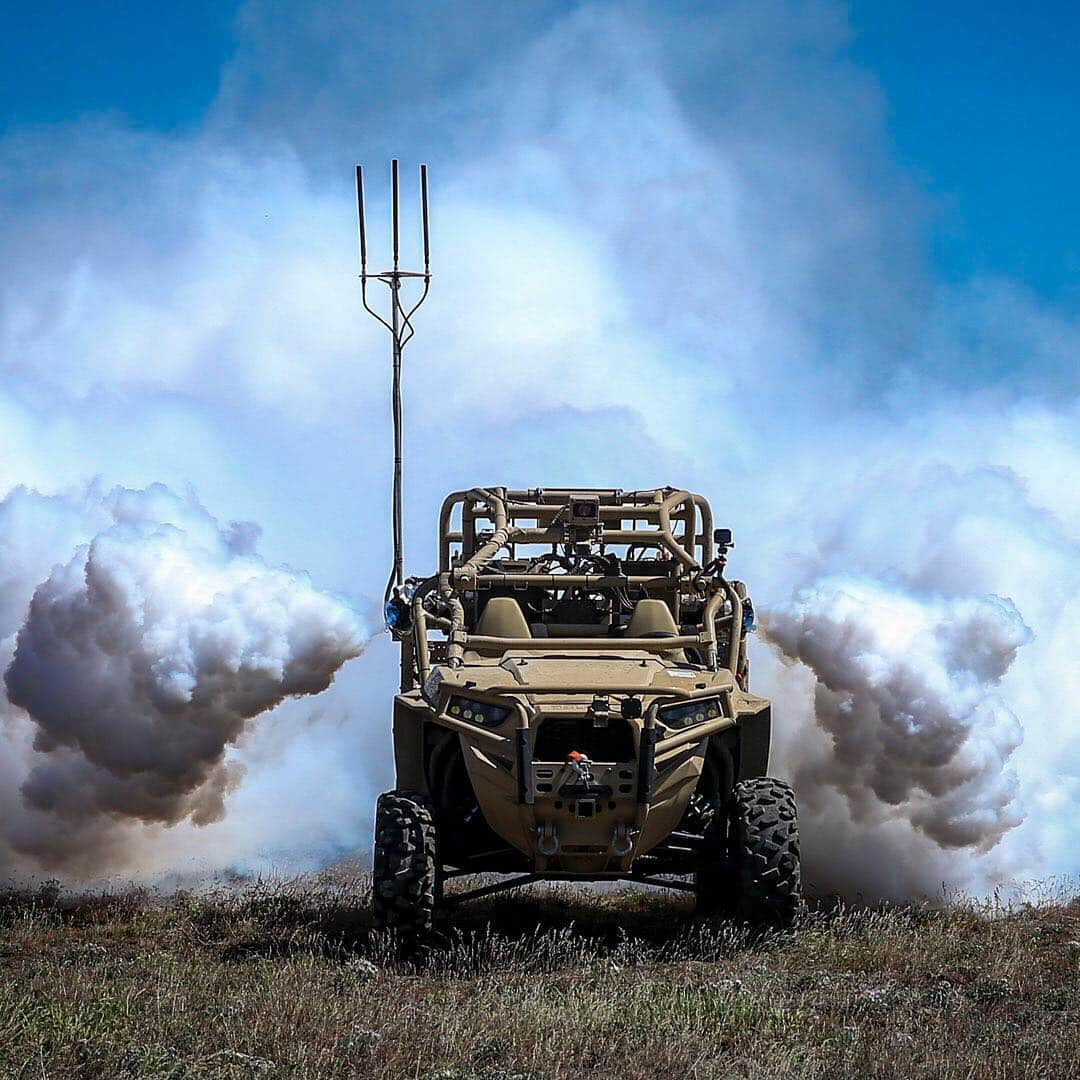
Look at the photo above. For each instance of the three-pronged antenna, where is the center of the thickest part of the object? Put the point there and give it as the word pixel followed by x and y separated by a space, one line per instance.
pixel 395 276
pixel 399 324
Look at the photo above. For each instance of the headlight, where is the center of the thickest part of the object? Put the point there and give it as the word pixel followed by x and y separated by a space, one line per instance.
pixel 477 712
pixel 688 713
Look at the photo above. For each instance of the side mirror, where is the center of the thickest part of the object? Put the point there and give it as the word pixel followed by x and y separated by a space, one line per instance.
pixel 722 538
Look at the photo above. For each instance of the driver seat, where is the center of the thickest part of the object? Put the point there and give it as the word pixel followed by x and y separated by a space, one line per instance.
pixel 653 619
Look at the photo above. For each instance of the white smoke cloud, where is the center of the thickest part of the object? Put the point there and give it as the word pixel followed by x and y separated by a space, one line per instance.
pixel 948 596
pixel 907 692
pixel 669 246
pixel 142 659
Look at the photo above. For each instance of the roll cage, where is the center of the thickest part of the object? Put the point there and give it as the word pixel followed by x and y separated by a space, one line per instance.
pixel 579 560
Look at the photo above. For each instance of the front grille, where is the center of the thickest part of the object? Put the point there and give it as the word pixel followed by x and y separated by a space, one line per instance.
pixel 557 736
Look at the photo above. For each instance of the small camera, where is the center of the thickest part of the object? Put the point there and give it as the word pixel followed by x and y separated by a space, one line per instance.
pixel 584 511
pixel 583 519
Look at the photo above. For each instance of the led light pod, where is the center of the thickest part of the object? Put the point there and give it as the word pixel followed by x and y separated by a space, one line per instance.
pixel 689 713
pixel 481 713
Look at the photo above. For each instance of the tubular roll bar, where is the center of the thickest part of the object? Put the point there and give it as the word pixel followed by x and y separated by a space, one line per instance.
pixel 560 581
pixel 544 507
pixel 587 644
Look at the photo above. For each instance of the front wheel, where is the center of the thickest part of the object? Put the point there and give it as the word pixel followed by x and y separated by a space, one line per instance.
pixel 404 876
pixel 750 860
pixel 763 844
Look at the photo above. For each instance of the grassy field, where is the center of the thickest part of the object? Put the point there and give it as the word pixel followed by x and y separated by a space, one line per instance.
pixel 287 979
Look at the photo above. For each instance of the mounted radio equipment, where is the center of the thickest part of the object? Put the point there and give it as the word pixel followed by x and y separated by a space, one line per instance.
pixel 401 330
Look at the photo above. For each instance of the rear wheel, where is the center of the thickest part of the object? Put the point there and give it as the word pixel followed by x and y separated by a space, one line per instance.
pixel 404 876
pixel 750 862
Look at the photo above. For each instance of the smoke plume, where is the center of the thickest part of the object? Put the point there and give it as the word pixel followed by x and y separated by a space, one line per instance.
pixel 907 693
pixel 144 657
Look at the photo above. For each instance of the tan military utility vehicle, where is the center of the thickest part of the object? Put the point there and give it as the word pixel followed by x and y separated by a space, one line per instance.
pixel 574 692
pixel 575 705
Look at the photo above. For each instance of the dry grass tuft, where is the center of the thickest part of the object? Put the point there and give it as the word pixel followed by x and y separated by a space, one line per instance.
pixel 289 979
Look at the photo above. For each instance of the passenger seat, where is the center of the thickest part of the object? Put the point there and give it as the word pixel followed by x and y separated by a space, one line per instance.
pixel 502 617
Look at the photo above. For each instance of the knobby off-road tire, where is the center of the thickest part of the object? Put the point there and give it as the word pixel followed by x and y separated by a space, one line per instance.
pixel 405 867
pixel 763 847
pixel 750 862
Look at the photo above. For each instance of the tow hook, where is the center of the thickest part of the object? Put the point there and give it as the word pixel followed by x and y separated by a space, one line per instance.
pixel 579 763
pixel 622 840
pixel 583 786
pixel 548 839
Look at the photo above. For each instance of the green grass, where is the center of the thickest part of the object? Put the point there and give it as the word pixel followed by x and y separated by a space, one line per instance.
pixel 288 979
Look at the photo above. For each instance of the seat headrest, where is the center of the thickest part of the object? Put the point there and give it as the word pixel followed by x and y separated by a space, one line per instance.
pixel 502 617
pixel 652 618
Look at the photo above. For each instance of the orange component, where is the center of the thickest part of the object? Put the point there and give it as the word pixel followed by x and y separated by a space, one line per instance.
pixel 576 756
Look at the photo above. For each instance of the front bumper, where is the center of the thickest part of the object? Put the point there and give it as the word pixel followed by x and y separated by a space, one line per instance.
pixel 543 810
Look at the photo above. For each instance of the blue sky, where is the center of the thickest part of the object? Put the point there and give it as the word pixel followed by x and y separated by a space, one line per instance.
pixel 983 105
pixel 156 63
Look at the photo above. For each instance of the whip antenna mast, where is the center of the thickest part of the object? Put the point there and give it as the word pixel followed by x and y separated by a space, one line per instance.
pixel 401 330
